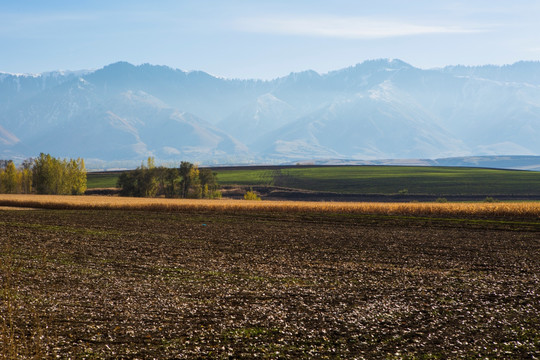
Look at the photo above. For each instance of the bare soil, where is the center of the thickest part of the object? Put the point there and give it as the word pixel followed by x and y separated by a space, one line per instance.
pixel 121 284
pixel 277 193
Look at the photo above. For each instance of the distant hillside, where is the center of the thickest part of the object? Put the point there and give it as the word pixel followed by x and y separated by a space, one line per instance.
pixel 491 162
pixel 380 109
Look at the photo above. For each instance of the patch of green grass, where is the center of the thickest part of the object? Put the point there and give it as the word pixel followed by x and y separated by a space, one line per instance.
pixel 391 179
pixel 101 180
pixel 374 179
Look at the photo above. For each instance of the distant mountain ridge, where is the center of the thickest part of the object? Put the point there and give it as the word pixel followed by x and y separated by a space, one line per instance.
pixel 513 162
pixel 378 109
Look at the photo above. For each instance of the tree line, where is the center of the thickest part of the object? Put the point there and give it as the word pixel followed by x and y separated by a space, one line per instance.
pixel 186 181
pixel 43 175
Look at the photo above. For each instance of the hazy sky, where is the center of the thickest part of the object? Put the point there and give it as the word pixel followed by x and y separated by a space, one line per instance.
pixel 263 38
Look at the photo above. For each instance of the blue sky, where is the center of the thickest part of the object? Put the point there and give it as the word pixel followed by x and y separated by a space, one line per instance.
pixel 264 39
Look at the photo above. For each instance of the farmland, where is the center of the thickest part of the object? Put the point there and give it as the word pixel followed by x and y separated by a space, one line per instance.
pixel 391 179
pixel 102 179
pixel 245 281
pixel 439 181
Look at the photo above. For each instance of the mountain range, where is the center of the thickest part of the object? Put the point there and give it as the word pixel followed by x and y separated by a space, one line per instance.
pixel 378 109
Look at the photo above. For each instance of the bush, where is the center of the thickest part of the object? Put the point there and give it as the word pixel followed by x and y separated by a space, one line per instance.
pixel 251 195
pixel 441 200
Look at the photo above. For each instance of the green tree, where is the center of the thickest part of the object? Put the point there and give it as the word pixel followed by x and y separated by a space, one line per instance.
pixel 141 182
pixel 147 180
pixel 44 176
pixel 185 182
pixel 169 180
pixel 209 184
pixel 127 181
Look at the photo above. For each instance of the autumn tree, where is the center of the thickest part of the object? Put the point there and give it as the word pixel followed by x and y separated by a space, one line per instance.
pixel 25 181
pixel 195 189
pixel 9 179
pixel 75 174
pixel 13 180
pixel 44 175
pixel 25 171
pixel 186 181
pixel 147 180
pixel 58 177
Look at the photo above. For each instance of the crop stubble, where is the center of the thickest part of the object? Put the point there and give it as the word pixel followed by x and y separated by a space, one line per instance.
pixel 187 284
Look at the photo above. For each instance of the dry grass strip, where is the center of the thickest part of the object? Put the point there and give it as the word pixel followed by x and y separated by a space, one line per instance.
pixel 519 209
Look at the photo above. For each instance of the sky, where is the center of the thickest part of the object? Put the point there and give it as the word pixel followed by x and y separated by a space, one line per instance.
pixel 264 39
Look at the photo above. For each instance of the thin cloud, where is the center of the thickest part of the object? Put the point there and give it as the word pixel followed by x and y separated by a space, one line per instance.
pixel 345 27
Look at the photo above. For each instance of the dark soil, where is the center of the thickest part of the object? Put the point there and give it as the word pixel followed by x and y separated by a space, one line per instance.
pixel 277 193
pixel 117 284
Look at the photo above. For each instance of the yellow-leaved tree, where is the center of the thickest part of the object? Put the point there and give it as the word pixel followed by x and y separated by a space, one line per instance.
pixel 58 177
pixel 9 179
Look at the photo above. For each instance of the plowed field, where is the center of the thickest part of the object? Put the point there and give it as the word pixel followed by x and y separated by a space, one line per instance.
pixel 245 284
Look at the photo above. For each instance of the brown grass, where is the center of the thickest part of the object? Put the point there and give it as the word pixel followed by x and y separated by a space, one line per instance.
pixel 521 209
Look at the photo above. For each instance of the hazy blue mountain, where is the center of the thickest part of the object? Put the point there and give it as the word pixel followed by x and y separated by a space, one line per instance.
pixel 379 109
pixel 379 123
pixel 104 120
pixel 196 92
pixel 525 72
pixel 264 114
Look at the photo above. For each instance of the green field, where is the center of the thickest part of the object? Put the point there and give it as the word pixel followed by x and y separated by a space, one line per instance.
pixel 391 179
pixel 375 179
pixel 102 180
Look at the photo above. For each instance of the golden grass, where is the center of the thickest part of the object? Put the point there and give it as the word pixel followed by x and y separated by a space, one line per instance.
pixel 521 209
